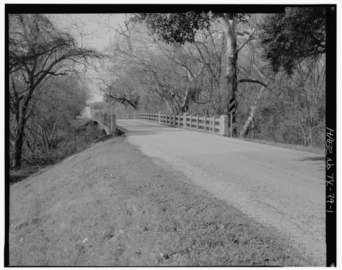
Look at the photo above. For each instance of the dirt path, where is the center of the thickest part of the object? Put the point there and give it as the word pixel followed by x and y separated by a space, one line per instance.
pixel 277 187
pixel 111 205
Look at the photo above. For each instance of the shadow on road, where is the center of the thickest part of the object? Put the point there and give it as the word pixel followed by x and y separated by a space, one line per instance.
pixel 316 161
pixel 150 131
pixel 313 159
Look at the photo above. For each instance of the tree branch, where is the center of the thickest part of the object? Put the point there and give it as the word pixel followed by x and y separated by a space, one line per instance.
pixel 249 38
pixel 252 81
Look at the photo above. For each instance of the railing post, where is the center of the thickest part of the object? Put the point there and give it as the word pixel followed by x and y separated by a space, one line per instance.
pixel 113 124
pixel 224 125
pixel 190 120
pixel 184 120
pixel 159 117
pixel 213 124
pixel 205 123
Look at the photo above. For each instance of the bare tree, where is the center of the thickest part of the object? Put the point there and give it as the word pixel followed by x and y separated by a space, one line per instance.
pixel 37 52
pixel 170 71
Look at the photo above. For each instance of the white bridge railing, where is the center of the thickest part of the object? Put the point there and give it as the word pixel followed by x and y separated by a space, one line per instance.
pixel 214 124
pixel 106 121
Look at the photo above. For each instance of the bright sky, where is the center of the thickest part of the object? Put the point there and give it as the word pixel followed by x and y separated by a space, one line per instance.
pixel 90 30
pixel 94 31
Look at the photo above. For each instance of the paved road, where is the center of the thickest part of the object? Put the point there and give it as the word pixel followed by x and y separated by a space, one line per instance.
pixel 278 187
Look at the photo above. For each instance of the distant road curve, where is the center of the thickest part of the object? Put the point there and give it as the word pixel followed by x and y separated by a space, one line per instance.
pixel 278 187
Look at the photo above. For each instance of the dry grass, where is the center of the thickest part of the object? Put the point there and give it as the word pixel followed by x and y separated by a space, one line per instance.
pixel 111 205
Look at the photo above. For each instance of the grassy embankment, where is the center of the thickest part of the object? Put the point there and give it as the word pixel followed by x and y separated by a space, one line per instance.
pixel 111 205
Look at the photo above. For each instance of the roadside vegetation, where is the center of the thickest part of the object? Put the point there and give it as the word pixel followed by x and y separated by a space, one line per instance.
pixel 74 140
pixel 112 206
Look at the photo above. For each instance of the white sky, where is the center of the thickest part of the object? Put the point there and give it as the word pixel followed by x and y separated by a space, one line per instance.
pixel 90 30
pixel 94 31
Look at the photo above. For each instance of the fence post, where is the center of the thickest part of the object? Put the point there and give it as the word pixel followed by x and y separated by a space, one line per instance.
pixel 159 117
pixel 205 123
pixel 190 120
pixel 184 120
pixel 198 122
pixel 224 125
pixel 213 123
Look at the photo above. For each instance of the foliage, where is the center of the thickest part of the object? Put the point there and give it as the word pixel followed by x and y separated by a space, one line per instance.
pixel 179 28
pixel 175 27
pixel 71 142
pixel 290 37
pixel 55 109
pixel 123 90
pixel 293 111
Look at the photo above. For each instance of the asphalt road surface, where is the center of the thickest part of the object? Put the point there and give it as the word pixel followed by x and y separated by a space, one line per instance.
pixel 277 187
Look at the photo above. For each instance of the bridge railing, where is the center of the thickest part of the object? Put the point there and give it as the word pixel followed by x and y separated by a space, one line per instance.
pixel 213 124
pixel 107 121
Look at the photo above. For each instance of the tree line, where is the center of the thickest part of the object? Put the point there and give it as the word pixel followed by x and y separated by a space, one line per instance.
pixel 272 65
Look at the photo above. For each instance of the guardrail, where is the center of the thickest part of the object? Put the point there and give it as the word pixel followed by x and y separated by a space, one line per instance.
pixel 214 124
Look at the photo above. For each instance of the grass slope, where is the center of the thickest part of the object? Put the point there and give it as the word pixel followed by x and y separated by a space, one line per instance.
pixel 110 205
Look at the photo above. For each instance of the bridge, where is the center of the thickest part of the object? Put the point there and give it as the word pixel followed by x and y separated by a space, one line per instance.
pixel 105 119
pixel 278 187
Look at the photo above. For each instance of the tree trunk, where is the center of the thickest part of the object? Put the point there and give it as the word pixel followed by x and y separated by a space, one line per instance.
pixel 223 82
pixel 252 113
pixel 231 70
pixel 18 144
pixel 184 107
pixel 21 119
pixel 168 105
pixel 310 137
